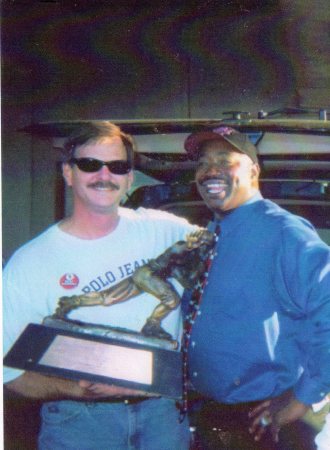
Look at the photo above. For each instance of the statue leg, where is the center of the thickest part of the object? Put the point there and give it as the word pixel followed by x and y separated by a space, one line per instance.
pixel 147 281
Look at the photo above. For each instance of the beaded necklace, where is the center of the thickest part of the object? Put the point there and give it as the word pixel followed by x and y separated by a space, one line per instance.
pixel 194 306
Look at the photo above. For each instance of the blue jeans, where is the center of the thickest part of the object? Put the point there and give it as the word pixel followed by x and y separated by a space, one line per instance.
pixel 149 425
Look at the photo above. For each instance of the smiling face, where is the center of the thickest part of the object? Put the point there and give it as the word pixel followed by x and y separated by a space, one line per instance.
pixel 225 178
pixel 101 191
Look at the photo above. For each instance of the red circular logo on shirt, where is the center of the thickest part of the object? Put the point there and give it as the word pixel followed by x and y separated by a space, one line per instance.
pixel 69 281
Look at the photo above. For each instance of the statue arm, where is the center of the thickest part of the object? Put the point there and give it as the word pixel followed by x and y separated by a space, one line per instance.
pixel 121 292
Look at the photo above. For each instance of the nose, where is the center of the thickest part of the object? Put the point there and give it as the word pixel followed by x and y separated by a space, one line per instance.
pixel 212 169
pixel 104 171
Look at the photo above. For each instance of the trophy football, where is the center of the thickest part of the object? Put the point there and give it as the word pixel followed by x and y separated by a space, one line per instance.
pixel 149 360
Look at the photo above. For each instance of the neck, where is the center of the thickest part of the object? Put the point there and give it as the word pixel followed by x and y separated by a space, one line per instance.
pixel 221 214
pixel 90 225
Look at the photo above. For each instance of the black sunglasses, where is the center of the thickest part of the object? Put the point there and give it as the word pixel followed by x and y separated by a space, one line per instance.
pixel 94 165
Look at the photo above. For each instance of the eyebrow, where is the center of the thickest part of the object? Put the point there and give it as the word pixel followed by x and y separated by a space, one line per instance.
pixel 224 156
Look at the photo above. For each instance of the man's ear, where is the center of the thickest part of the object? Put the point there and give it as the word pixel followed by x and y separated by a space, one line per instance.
pixel 255 170
pixel 130 179
pixel 67 173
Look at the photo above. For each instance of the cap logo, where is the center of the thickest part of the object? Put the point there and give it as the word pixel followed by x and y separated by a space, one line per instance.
pixel 224 131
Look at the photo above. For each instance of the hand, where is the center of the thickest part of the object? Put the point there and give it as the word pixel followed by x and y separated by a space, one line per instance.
pixel 198 238
pixel 275 413
pixel 100 390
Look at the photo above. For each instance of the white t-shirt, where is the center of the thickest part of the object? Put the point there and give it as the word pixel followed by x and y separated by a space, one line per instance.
pixel 322 440
pixel 57 264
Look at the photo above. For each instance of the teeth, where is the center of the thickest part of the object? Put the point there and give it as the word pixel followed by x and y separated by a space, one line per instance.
pixel 102 186
pixel 214 187
pixel 215 190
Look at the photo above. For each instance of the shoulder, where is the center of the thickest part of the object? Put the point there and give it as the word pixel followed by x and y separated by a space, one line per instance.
pixel 272 212
pixel 39 245
pixel 153 215
pixel 156 226
pixel 290 228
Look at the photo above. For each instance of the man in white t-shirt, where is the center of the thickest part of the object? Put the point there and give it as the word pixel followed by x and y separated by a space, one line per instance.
pixel 99 245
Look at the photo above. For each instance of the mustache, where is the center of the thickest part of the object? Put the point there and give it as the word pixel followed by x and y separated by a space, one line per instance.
pixel 104 184
pixel 209 177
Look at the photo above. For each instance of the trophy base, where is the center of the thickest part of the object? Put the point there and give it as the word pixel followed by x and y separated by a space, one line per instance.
pixel 121 334
pixel 75 351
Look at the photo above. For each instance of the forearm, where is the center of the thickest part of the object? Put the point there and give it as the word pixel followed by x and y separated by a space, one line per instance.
pixel 37 386
pixel 41 387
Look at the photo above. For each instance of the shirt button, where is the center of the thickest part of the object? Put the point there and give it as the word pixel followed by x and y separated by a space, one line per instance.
pixel 53 409
pixel 193 343
pixel 237 381
pixel 199 313
pixel 194 374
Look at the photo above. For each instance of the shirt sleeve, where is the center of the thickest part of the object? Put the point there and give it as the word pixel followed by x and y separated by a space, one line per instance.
pixel 18 309
pixel 305 267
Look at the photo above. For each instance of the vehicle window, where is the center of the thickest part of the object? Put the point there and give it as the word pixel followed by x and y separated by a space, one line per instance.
pixel 306 198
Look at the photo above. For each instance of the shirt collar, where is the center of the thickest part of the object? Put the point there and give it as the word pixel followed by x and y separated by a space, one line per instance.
pixel 237 215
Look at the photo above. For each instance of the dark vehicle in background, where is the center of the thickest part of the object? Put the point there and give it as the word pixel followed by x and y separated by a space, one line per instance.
pixel 294 154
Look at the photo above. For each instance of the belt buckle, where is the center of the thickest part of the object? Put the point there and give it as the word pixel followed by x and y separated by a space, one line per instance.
pixel 134 400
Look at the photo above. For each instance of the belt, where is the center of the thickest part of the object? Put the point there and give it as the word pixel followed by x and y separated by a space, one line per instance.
pixel 233 406
pixel 125 400
pixel 281 400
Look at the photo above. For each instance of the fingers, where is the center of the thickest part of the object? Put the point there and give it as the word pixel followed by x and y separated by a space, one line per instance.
pixel 263 406
pixel 198 238
pixel 99 390
pixel 259 424
pixel 262 420
pixel 275 429
pixel 85 384
pixel 262 424
pixel 193 239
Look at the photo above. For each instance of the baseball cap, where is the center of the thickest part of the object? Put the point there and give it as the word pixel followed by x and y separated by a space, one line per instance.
pixel 239 141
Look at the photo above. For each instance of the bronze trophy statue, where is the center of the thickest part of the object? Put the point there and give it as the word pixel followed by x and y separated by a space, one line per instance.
pixel 149 360
pixel 184 261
